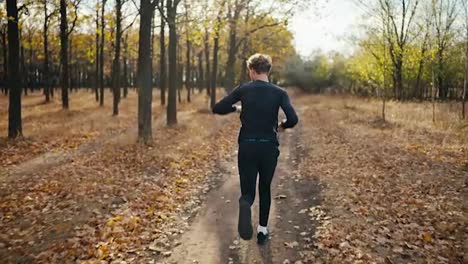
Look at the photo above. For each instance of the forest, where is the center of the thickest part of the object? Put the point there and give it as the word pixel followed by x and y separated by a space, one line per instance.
pixel 414 50
pixel 110 152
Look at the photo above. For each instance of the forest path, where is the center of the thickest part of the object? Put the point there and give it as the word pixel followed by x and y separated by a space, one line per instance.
pixel 212 237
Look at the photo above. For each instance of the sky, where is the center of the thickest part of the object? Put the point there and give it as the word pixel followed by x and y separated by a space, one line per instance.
pixel 326 27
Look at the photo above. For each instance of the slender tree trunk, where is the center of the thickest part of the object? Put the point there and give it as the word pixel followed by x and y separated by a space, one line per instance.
pixel 232 51
pixel 14 84
pixel 172 99
pixel 399 79
pixel 418 78
pixel 465 81
pixel 200 74
pixel 125 73
pixel 214 74
pixel 96 63
pixel 101 54
pixel 152 50
pixel 188 76
pixel 116 66
pixel 64 52
pixel 24 79
pixel 162 59
pixel 46 54
pixel 433 92
pixel 207 62
pixel 180 74
pixel 440 79
pixel 70 64
pixel 145 93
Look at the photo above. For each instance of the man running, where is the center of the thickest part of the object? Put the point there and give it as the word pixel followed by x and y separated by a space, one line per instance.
pixel 258 139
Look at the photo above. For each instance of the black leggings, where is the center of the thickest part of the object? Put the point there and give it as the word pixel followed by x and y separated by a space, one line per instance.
pixel 257 158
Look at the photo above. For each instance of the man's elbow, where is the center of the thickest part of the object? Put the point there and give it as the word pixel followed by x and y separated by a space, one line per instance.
pixel 293 121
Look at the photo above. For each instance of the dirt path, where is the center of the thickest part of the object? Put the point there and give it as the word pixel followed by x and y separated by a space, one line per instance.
pixel 212 237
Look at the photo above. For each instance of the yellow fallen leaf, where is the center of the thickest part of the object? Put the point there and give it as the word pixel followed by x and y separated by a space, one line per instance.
pixel 427 237
pixel 102 252
pixel 112 221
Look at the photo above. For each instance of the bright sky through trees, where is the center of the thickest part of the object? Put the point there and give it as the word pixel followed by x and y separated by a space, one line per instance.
pixel 326 26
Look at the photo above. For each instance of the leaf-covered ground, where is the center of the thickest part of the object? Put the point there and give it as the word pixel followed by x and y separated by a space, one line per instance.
pixel 106 197
pixel 394 192
pixel 350 188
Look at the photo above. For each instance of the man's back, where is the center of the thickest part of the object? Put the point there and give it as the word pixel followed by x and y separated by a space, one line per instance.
pixel 260 105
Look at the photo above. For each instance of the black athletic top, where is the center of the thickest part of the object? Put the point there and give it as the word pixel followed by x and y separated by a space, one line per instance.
pixel 260 105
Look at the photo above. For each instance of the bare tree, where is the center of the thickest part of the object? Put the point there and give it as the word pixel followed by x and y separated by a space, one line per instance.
pixel 444 15
pixel 217 29
pixel 64 36
pixel 162 58
pixel 14 109
pixel 101 53
pixel 171 7
pixel 47 17
pixel 145 94
pixel 97 56
pixel 116 64
pixel 399 26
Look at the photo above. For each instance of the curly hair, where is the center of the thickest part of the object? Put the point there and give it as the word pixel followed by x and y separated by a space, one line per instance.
pixel 261 63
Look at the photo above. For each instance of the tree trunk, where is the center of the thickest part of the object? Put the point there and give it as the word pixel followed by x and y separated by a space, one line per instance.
pixel 116 66
pixel 152 51
pixel 162 59
pixel 399 79
pixel 145 93
pixel 24 79
pixel 172 99
pixel 440 78
pixel 46 54
pixel 70 65
pixel 232 51
pixel 465 81
pixel 14 84
pixel 180 74
pixel 5 61
pixel 125 73
pixel 418 79
pixel 188 76
pixel 96 73
pixel 207 62
pixel 200 74
pixel 214 74
pixel 64 52
pixel 101 54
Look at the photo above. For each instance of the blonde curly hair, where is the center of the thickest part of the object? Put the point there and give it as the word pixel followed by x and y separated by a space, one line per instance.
pixel 261 63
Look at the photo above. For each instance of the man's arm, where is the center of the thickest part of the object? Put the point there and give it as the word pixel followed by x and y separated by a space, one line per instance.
pixel 291 116
pixel 226 105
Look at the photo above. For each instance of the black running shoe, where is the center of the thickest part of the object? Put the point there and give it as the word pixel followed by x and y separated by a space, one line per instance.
pixel 262 238
pixel 245 220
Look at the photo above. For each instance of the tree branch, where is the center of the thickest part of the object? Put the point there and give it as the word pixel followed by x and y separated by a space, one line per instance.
pixel 75 6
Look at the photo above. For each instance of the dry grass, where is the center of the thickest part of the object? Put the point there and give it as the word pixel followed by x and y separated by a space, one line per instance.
pixel 413 115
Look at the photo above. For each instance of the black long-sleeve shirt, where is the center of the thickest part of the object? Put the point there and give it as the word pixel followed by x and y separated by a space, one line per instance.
pixel 260 105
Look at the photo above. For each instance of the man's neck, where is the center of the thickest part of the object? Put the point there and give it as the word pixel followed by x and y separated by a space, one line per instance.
pixel 262 77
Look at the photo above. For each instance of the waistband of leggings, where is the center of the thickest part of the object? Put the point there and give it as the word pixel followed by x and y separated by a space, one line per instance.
pixel 262 140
